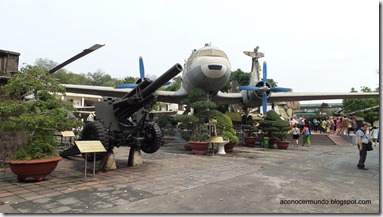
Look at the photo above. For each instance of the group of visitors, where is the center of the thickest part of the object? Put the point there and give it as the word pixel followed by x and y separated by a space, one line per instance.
pixel 297 131
pixel 338 125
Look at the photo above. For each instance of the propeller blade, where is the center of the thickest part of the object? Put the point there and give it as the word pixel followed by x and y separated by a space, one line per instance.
pixel 142 70
pixel 120 86
pixel 264 73
pixel 248 88
pixel 264 103
pixel 281 89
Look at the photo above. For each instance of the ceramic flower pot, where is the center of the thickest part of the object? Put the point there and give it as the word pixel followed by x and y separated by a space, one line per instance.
pixel 282 144
pixel 229 146
pixel 37 169
pixel 199 148
pixel 250 141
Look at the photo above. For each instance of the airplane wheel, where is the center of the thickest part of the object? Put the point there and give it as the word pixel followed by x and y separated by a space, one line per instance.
pixel 153 137
pixel 95 131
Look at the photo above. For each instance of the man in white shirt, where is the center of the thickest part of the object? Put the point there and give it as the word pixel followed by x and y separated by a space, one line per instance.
pixel 362 146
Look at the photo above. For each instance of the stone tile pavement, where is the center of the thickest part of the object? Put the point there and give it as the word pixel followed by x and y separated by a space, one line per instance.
pixel 172 180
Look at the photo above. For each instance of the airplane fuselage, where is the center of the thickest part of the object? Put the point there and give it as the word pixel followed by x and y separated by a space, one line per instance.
pixel 207 68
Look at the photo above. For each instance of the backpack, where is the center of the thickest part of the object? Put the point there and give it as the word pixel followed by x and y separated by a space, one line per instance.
pixel 307 132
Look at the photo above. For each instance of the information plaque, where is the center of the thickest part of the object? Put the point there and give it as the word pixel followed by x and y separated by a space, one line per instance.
pixel 91 146
pixel 67 134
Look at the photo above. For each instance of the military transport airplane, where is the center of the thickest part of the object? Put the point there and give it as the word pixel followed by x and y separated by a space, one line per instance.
pixel 209 68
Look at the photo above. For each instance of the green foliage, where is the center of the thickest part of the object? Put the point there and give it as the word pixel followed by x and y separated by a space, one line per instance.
pixel 176 85
pixel 274 126
pixel 193 126
pixel 243 79
pixel 224 127
pixel 39 117
pixel 31 79
pixel 352 105
pixel 189 125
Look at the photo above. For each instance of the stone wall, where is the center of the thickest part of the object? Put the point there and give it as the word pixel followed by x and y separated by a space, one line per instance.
pixel 10 142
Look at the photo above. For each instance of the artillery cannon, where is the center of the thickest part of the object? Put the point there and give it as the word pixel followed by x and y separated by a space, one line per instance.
pixel 127 122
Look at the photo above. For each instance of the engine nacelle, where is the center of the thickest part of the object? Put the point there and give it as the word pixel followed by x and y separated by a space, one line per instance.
pixel 252 98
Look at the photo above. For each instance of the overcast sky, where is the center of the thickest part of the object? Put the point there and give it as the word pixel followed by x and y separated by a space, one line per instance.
pixel 312 46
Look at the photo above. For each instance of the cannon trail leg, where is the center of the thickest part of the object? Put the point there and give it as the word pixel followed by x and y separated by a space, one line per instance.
pixel 135 158
pixel 108 162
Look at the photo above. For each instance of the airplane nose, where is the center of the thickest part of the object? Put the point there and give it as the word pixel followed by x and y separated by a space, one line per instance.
pixel 215 67
pixel 214 70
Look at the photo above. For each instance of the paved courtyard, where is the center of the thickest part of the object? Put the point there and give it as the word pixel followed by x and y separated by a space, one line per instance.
pixel 315 179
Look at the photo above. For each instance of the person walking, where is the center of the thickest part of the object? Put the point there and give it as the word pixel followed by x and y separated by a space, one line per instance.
pixel 324 126
pixel 315 122
pixel 338 125
pixel 296 133
pixel 362 146
pixel 306 136
pixel 302 123
pixel 354 126
pixel 374 135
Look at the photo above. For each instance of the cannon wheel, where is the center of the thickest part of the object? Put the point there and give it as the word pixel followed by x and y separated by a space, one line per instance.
pixel 95 131
pixel 153 136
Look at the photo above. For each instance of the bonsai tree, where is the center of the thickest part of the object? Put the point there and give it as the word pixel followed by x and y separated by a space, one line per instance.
pixel 40 117
pixel 225 127
pixel 273 126
pixel 194 126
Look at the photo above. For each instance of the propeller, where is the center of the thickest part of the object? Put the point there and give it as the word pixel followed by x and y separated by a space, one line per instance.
pixel 264 89
pixel 142 77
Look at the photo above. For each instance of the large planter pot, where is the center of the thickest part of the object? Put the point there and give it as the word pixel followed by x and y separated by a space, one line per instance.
pixel 250 141
pixel 272 142
pixel 199 148
pixel 36 169
pixel 283 144
pixel 187 147
pixel 229 146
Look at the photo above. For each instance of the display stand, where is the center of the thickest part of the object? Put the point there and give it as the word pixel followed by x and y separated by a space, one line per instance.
pixel 65 134
pixel 93 146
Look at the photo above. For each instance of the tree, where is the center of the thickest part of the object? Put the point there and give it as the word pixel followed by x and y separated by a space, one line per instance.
pixel 353 105
pixel 99 78
pixel 274 126
pixel 194 126
pixel 39 117
pixel 129 80
pixel 243 79
pixel 176 85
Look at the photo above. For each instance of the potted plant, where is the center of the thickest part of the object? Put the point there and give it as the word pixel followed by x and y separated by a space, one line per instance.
pixel 225 128
pixel 194 127
pixel 274 127
pixel 39 117
pixel 249 130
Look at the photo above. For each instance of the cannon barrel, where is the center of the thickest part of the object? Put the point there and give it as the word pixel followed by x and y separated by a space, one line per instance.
pixel 128 105
pixel 126 99
pixel 156 84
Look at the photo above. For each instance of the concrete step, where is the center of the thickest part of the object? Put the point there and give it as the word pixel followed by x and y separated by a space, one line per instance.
pixel 316 139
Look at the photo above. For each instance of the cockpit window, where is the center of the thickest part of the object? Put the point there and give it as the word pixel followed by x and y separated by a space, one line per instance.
pixel 219 53
pixel 210 52
pixel 192 57
pixel 205 53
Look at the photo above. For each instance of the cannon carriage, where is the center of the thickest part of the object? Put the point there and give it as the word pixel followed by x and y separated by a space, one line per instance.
pixel 127 121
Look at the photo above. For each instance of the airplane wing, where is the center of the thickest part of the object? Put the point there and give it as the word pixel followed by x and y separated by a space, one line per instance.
pixel 163 96
pixel 95 90
pixel 303 96
pixel 244 97
pixel 222 98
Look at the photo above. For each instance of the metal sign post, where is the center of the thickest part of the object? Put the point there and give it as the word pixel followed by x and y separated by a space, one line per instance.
pixel 92 146
pixel 65 134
